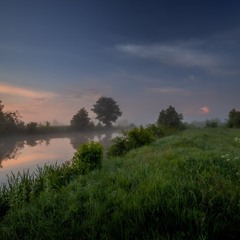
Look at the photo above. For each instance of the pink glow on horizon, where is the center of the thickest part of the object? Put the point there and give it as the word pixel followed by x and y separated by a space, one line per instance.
pixel 24 92
pixel 40 106
pixel 205 110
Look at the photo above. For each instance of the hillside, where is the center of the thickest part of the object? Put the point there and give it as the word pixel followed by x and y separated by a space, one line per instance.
pixel 185 186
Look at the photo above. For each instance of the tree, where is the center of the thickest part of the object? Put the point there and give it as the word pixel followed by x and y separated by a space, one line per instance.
pixel 107 110
pixel 9 121
pixel 170 118
pixel 211 123
pixel 234 118
pixel 81 120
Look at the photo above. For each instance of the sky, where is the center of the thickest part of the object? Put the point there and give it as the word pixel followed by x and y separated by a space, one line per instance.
pixel 59 56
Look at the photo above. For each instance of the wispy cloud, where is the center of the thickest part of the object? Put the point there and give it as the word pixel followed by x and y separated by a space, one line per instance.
pixel 36 105
pixel 178 54
pixel 167 90
pixel 25 92
pixel 83 93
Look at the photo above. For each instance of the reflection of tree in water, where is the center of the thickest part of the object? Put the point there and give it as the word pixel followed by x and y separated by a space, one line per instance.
pixel 106 139
pixel 10 148
pixel 47 141
pixel 77 139
pixel 31 142
pixel 103 138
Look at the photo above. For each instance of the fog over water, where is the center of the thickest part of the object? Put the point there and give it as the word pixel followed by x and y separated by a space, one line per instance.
pixel 18 154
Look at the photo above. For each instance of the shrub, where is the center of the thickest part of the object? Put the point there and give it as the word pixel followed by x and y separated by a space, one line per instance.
pixel 119 147
pixel 89 156
pixel 138 137
pixel 131 139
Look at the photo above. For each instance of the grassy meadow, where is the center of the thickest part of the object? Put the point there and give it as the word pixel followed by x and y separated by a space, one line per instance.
pixel 183 186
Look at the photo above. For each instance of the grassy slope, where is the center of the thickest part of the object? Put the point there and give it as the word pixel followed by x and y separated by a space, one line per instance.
pixel 185 186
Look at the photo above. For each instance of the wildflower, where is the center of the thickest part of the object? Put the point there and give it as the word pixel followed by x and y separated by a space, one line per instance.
pixel 237 139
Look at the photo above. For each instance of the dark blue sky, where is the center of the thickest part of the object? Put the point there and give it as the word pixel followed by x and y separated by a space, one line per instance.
pixel 59 56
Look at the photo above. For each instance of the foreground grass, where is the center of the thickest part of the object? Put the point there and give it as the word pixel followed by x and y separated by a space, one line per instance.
pixel 185 186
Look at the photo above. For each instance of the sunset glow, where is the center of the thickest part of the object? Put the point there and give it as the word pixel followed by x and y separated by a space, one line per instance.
pixel 205 110
pixel 50 66
pixel 24 92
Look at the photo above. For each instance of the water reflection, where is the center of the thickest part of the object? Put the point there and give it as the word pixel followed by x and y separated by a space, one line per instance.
pixel 19 154
pixel 9 148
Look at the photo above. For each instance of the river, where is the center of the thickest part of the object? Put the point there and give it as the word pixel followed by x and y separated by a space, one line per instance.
pixel 18 154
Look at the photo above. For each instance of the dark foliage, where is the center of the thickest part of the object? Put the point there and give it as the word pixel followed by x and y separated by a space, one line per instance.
pixel 31 127
pixel 89 156
pixel 107 111
pixel 81 120
pixel 234 118
pixel 170 118
pixel 9 121
pixel 211 123
pixel 131 139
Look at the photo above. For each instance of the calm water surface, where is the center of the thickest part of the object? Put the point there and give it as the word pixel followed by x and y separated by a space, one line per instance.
pixel 21 154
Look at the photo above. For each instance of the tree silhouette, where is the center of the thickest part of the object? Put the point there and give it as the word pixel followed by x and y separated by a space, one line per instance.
pixel 107 110
pixel 81 120
pixel 9 121
pixel 234 118
pixel 170 118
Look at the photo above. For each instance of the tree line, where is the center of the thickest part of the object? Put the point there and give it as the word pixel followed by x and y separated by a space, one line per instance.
pixel 107 112
pixel 106 109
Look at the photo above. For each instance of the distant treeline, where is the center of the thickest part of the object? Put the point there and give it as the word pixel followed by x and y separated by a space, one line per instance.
pixel 107 112
pixel 106 109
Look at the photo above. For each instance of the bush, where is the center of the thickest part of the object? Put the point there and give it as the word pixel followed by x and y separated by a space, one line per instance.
pixel 119 147
pixel 131 139
pixel 139 137
pixel 89 156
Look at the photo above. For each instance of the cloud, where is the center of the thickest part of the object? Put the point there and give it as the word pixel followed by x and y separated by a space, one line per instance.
pixel 39 106
pixel 205 110
pixel 25 92
pixel 178 54
pixel 86 93
pixel 226 72
pixel 40 99
pixel 167 90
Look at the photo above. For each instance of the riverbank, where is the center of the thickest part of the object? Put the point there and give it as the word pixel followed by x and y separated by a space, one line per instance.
pixel 184 186
pixel 18 153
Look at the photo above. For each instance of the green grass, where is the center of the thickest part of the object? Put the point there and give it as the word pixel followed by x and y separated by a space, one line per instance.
pixel 185 186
